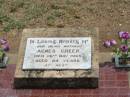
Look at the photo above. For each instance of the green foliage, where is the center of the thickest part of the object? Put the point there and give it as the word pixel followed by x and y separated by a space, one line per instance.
pixel 4 18
pixel 10 8
pixel 35 10
pixel 15 4
pixel 1 55
pixel 57 13
pixel 50 20
pixel 10 23
pixel 7 19
pixel 13 24
pixel 117 51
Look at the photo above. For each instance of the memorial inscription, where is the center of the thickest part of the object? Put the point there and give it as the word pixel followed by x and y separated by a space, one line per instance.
pixel 58 53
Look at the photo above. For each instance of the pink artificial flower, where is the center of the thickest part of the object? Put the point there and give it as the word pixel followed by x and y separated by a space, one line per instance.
pixel 3 41
pixel 107 43
pixel 124 48
pixel 5 47
pixel 120 34
pixel 113 42
pixel 124 35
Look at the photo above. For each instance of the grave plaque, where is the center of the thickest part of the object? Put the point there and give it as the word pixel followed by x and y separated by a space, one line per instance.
pixel 58 53
pixel 58 58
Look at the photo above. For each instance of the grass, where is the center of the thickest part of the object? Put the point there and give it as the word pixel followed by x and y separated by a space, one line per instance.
pixel 9 23
pixel 18 14
pixel 50 20
pixel 7 20
pixel 108 15
pixel 8 15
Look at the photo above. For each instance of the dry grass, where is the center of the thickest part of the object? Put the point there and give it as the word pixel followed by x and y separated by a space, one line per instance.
pixel 110 16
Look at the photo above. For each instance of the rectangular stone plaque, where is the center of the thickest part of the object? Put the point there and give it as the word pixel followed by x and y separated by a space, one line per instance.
pixel 58 53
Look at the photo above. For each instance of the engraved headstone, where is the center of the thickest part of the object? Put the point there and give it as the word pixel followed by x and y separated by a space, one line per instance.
pixel 58 53
pixel 66 57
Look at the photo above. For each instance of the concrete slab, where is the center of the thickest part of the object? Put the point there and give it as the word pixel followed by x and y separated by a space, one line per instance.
pixel 58 78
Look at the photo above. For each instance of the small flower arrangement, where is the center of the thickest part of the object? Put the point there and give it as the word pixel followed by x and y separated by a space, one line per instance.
pixel 124 50
pixel 4 45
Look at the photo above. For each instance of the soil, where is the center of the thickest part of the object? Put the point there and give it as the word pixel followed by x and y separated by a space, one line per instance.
pixel 110 16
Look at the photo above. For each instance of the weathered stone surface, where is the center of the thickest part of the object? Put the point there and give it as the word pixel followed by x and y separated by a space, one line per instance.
pixel 105 57
pixel 58 78
pixel 59 74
